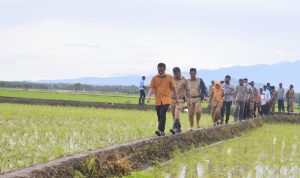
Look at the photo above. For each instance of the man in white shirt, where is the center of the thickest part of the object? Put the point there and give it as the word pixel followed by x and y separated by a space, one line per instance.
pixel 267 98
pixel 142 91
pixel 280 98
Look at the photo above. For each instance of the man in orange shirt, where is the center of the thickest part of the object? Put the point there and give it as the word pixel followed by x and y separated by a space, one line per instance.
pixel 164 86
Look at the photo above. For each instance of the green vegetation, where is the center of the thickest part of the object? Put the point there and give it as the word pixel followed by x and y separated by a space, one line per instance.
pixel 71 96
pixel 271 151
pixel 35 134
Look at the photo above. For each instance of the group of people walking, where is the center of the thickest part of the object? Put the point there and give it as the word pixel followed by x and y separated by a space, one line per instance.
pixel 174 91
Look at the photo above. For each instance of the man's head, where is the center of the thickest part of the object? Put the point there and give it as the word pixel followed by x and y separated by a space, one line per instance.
pixel 212 83
pixel 246 81
pixel 280 85
pixel 161 68
pixel 272 88
pixel 241 82
pixel 227 79
pixel 143 78
pixel 268 84
pixel 193 73
pixel 265 87
pixel 177 72
pixel 291 86
pixel 252 83
pixel 261 90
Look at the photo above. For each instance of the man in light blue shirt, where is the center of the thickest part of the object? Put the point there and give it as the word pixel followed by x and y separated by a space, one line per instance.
pixel 267 98
pixel 142 91
pixel 280 98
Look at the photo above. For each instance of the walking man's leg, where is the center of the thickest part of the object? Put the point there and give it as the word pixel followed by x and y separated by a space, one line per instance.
pixel 177 124
pixel 140 99
pixel 158 108
pixel 241 113
pixel 236 112
pixel 198 111
pixel 143 97
pixel 228 111
pixel 279 106
pixel 223 111
pixel 163 116
pixel 191 115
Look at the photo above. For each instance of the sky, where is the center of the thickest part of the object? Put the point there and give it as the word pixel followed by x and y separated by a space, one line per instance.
pixel 63 39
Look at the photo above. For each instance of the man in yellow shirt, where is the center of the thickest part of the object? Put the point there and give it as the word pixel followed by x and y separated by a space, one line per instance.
pixel 163 85
pixel 183 91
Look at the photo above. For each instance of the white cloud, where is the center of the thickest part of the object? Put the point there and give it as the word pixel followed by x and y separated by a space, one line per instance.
pixel 182 33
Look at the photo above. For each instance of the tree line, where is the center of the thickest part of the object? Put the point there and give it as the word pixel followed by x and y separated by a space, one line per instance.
pixel 76 87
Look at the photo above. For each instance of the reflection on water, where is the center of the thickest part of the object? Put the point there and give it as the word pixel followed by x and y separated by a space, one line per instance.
pixel 271 151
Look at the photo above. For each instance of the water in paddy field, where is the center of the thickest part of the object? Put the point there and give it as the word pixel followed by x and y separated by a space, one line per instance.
pixel 271 151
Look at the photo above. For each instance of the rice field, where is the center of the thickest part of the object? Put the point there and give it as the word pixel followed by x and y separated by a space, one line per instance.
pixel 72 96
pixel 271 151
pixel 36 134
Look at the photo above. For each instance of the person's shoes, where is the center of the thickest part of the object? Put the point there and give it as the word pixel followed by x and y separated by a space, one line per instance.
pixel 160 133
pixel 175 131
pixel 221 123
pixel 226 122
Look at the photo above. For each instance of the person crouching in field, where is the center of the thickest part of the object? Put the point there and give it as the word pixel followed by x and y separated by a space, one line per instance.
pixel 183 89
pixel 215 102
pixel 163 85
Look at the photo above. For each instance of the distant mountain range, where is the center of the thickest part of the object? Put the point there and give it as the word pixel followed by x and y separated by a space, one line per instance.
pixel 285 72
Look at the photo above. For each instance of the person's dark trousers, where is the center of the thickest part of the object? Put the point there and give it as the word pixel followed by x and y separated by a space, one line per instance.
pixel 239 111
pixel 281 105
pixel 226 106
pixel 142 97
pixel 254 110
pixel 161 116
pixel 260 110
pixel 268 108
pixel 247 110
pixel 177 124
pixel 265 109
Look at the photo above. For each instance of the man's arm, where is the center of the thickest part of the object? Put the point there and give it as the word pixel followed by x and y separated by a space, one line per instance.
pixel 188 92
pixel 173 88
pixel 203 89
pixel 210 97
pixel 150 91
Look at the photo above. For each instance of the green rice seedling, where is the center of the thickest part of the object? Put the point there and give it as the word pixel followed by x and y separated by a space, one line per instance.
pixel 270 151
pixel 31 134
